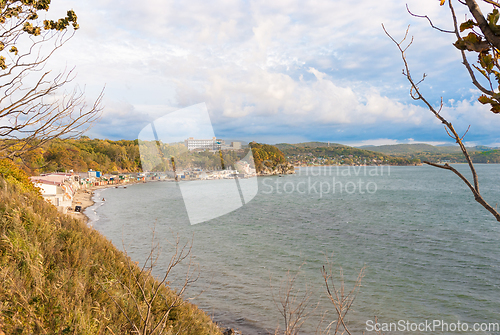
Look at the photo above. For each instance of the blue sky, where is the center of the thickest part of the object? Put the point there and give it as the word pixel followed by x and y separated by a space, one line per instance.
pixel 273 71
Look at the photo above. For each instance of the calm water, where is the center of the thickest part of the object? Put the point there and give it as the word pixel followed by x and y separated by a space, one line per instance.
pixel 431 252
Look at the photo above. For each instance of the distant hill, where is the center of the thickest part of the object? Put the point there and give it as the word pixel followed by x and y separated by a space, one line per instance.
pixel 448 153
pixel 321 153
pixel 285 146
pixel 404 149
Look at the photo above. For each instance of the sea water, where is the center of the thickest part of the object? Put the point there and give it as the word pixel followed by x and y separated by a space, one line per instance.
pixel 429 250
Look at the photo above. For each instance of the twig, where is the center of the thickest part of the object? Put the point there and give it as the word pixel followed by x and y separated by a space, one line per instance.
pixel 448 127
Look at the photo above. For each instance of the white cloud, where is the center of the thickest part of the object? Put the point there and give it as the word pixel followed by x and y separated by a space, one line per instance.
pixel 314 63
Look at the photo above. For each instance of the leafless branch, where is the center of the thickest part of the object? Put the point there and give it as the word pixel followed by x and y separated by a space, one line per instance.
pixel 491 2
pixel 430 21
pixel 341 299
pixel 449 129
pixel 292 303
pixel 465 133
pixel 154 292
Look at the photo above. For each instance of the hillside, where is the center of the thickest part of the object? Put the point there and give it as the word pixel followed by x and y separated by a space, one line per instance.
pixel 124 156
pixel 120 157
pixel 426 152
pixel 337 154
pixel 269 159
pixel 84 154
pixel 403 149
pixel 61 277
pixel 284 146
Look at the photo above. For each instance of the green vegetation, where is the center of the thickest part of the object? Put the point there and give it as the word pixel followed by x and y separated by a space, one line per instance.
pixel 434 154
pixel 82 155
pixel 15 176
pixel 185 159
pixel 59 276
pixel 268 157
pixel 124 156
pixel 120 156
pixel 403 149
pixel 317 153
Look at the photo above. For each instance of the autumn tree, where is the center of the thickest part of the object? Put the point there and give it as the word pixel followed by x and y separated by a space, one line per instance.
pixel 477 38
pixel 34 108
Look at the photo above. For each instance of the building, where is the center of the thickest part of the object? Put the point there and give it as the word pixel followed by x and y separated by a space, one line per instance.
pixel 213 144
pixel 58 188
pixel 94 174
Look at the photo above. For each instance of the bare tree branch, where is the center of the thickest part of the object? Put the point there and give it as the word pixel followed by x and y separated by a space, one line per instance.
pixel 341 299
pixel 292 303
pixel 429 20
pixel 449 129
pixel 153 292
pixel 491 2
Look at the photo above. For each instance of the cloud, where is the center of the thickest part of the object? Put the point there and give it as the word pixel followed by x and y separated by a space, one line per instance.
pixel 314 68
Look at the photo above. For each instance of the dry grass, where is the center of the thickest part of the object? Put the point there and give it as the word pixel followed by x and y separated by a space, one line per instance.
pixel 55 276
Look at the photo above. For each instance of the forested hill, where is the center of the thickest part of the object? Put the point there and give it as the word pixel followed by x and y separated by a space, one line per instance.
pixel 124 156
pixel 269 159
pixel 426 152
pixel 84 154
pixel 319 153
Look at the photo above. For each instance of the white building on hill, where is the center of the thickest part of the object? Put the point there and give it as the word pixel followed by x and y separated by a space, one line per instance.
pixel 193 144
pixel 213 144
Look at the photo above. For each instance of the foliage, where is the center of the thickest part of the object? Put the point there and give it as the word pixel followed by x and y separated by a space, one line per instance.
pixel 56 274
pixel 482 39
pixel 267 156
pixel 84 154
pixel 157 156
pixel 451 154
pixel 119 156
pixel 15 176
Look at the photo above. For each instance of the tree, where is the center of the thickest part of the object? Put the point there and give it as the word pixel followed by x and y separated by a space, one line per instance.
pixel 33 108
pixel 482 40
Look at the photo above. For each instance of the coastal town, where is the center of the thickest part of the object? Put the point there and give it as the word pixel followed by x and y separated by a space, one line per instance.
pixel 61 188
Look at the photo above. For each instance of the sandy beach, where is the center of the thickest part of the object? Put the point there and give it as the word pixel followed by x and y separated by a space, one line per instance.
pixel 83 198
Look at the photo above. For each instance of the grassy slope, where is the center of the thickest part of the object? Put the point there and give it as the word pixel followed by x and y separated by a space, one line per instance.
pixel 53 270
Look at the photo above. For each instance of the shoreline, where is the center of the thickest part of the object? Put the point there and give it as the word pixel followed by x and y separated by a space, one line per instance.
pixel 227 322
pixel 83 197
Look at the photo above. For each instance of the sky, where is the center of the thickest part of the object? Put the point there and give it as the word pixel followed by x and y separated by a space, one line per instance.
pixel 273 71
